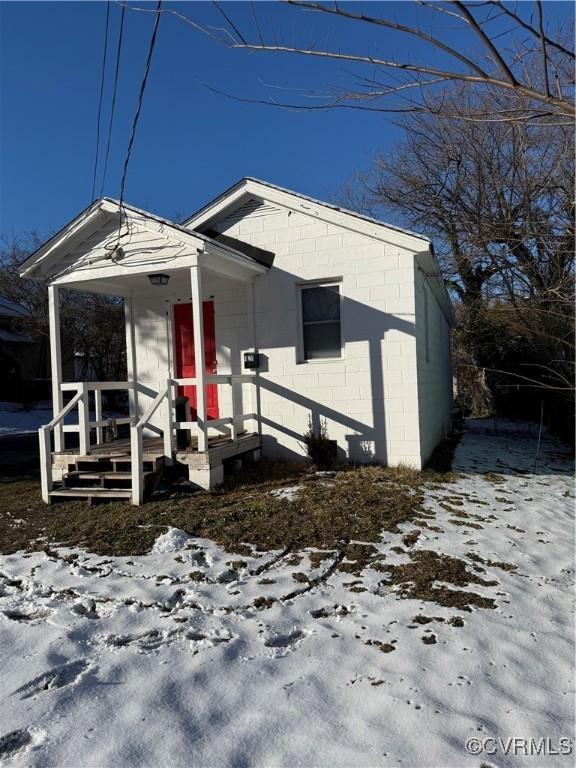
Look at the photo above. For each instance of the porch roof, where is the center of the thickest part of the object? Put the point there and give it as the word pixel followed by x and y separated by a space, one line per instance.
pixel 110 240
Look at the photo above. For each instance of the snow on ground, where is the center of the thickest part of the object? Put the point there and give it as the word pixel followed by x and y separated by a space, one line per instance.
pixel 15 420
pixel 192 656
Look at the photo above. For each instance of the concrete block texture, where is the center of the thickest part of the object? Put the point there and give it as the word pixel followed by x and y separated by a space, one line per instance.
pixel 382 400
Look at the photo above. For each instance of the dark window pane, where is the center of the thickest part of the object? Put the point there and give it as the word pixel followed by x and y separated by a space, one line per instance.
pixel 322 340
pixel 320 303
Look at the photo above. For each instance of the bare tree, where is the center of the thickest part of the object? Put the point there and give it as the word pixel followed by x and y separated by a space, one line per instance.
pixel 497 198
pixel 92 325
pixel 496 195
pixel 479 44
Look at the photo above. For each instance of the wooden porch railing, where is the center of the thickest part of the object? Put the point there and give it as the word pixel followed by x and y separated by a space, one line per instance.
pixel 137 424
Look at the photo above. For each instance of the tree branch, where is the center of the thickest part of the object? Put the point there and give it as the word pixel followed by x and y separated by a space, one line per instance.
pixel 508 74
pixel 551 43
pixel 543 47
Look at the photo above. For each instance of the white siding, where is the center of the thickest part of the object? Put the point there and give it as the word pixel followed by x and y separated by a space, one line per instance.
pixel 153 313
pixel 381 402
pixel 434 368
pixel 370 397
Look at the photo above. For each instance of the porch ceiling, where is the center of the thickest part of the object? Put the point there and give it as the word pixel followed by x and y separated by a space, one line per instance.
pixel 138 284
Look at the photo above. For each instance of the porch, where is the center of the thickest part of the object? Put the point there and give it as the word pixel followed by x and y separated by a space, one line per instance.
pixel 155 267
pixel 130 467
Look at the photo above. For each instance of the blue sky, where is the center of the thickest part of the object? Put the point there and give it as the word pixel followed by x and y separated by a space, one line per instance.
pixel 191 143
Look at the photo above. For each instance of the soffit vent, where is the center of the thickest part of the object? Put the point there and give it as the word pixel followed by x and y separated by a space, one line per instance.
pixel 250 209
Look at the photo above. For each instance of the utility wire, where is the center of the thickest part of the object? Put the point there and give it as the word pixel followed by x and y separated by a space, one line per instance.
pixel 102 80
pixel 140 98
pixel 116 73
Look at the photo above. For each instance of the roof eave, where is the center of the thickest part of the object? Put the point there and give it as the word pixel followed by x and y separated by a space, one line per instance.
pixel 258 188
pixel 109 208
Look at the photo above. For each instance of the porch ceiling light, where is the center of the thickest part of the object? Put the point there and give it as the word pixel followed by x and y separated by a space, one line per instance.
pixel 159 279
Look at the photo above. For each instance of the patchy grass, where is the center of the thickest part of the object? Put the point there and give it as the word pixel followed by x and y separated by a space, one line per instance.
pixel 383 647
pixel 492 477
pixel 492 563
pixel 341 517
pixel 357 504
pixel 411 538
pixel 418 579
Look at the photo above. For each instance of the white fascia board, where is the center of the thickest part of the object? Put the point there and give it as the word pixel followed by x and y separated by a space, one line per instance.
pixel 316 210
pixel 50 248
pixel 77 231
pixel 209 211
pixel 427 264
pixel 109 271
pixel 212 260
pixel 106 210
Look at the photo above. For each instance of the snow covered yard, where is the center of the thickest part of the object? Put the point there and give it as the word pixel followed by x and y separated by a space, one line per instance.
pixel 455 625
pixel 15 420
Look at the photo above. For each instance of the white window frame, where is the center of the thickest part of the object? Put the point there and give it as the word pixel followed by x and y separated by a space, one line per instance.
pixel 325 282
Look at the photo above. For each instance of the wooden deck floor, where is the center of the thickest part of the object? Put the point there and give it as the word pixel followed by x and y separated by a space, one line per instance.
pixel 219 447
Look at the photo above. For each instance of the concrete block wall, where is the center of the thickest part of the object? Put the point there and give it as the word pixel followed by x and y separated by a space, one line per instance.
pixel 382 400
pixel 370 397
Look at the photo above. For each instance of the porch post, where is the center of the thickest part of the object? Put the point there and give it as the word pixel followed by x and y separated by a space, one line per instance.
pixel 131 369
pixel 198 325
pixel 84 420
pixel 256 406
pixel 56 362
pixel 98 415
pixel 169 442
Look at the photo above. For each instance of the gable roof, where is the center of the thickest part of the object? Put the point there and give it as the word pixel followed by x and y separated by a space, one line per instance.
pixel 251 184
pixel 106 208
pixel 239 195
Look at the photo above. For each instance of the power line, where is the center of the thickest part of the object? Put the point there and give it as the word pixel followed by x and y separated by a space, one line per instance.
pixel 116 73
pixel 102 79
pixel 140 98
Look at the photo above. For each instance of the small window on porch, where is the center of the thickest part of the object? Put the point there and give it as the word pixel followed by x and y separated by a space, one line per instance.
pixel 320 311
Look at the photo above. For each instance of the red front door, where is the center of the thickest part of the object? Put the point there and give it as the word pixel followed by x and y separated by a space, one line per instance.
pixel 185 363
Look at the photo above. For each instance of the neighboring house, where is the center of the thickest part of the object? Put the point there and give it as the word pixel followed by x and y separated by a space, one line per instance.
pixel 345 318
pixel 18 353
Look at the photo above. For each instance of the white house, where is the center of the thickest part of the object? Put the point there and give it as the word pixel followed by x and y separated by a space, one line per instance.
pixel 309 311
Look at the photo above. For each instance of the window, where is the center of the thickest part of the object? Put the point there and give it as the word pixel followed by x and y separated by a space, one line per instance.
pixel 321 336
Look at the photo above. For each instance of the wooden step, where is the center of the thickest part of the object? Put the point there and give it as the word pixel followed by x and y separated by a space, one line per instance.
pixel 95 457
pixel 105 475
pixel 92 493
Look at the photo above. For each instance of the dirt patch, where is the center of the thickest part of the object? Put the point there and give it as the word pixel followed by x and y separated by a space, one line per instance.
pixel 317 558
pixel 418 580
pixel 466 523
pixel 411 538
pixel 197 576
pixel 492 563
pixel 425 619
pixel 494 478
pixel 384 647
